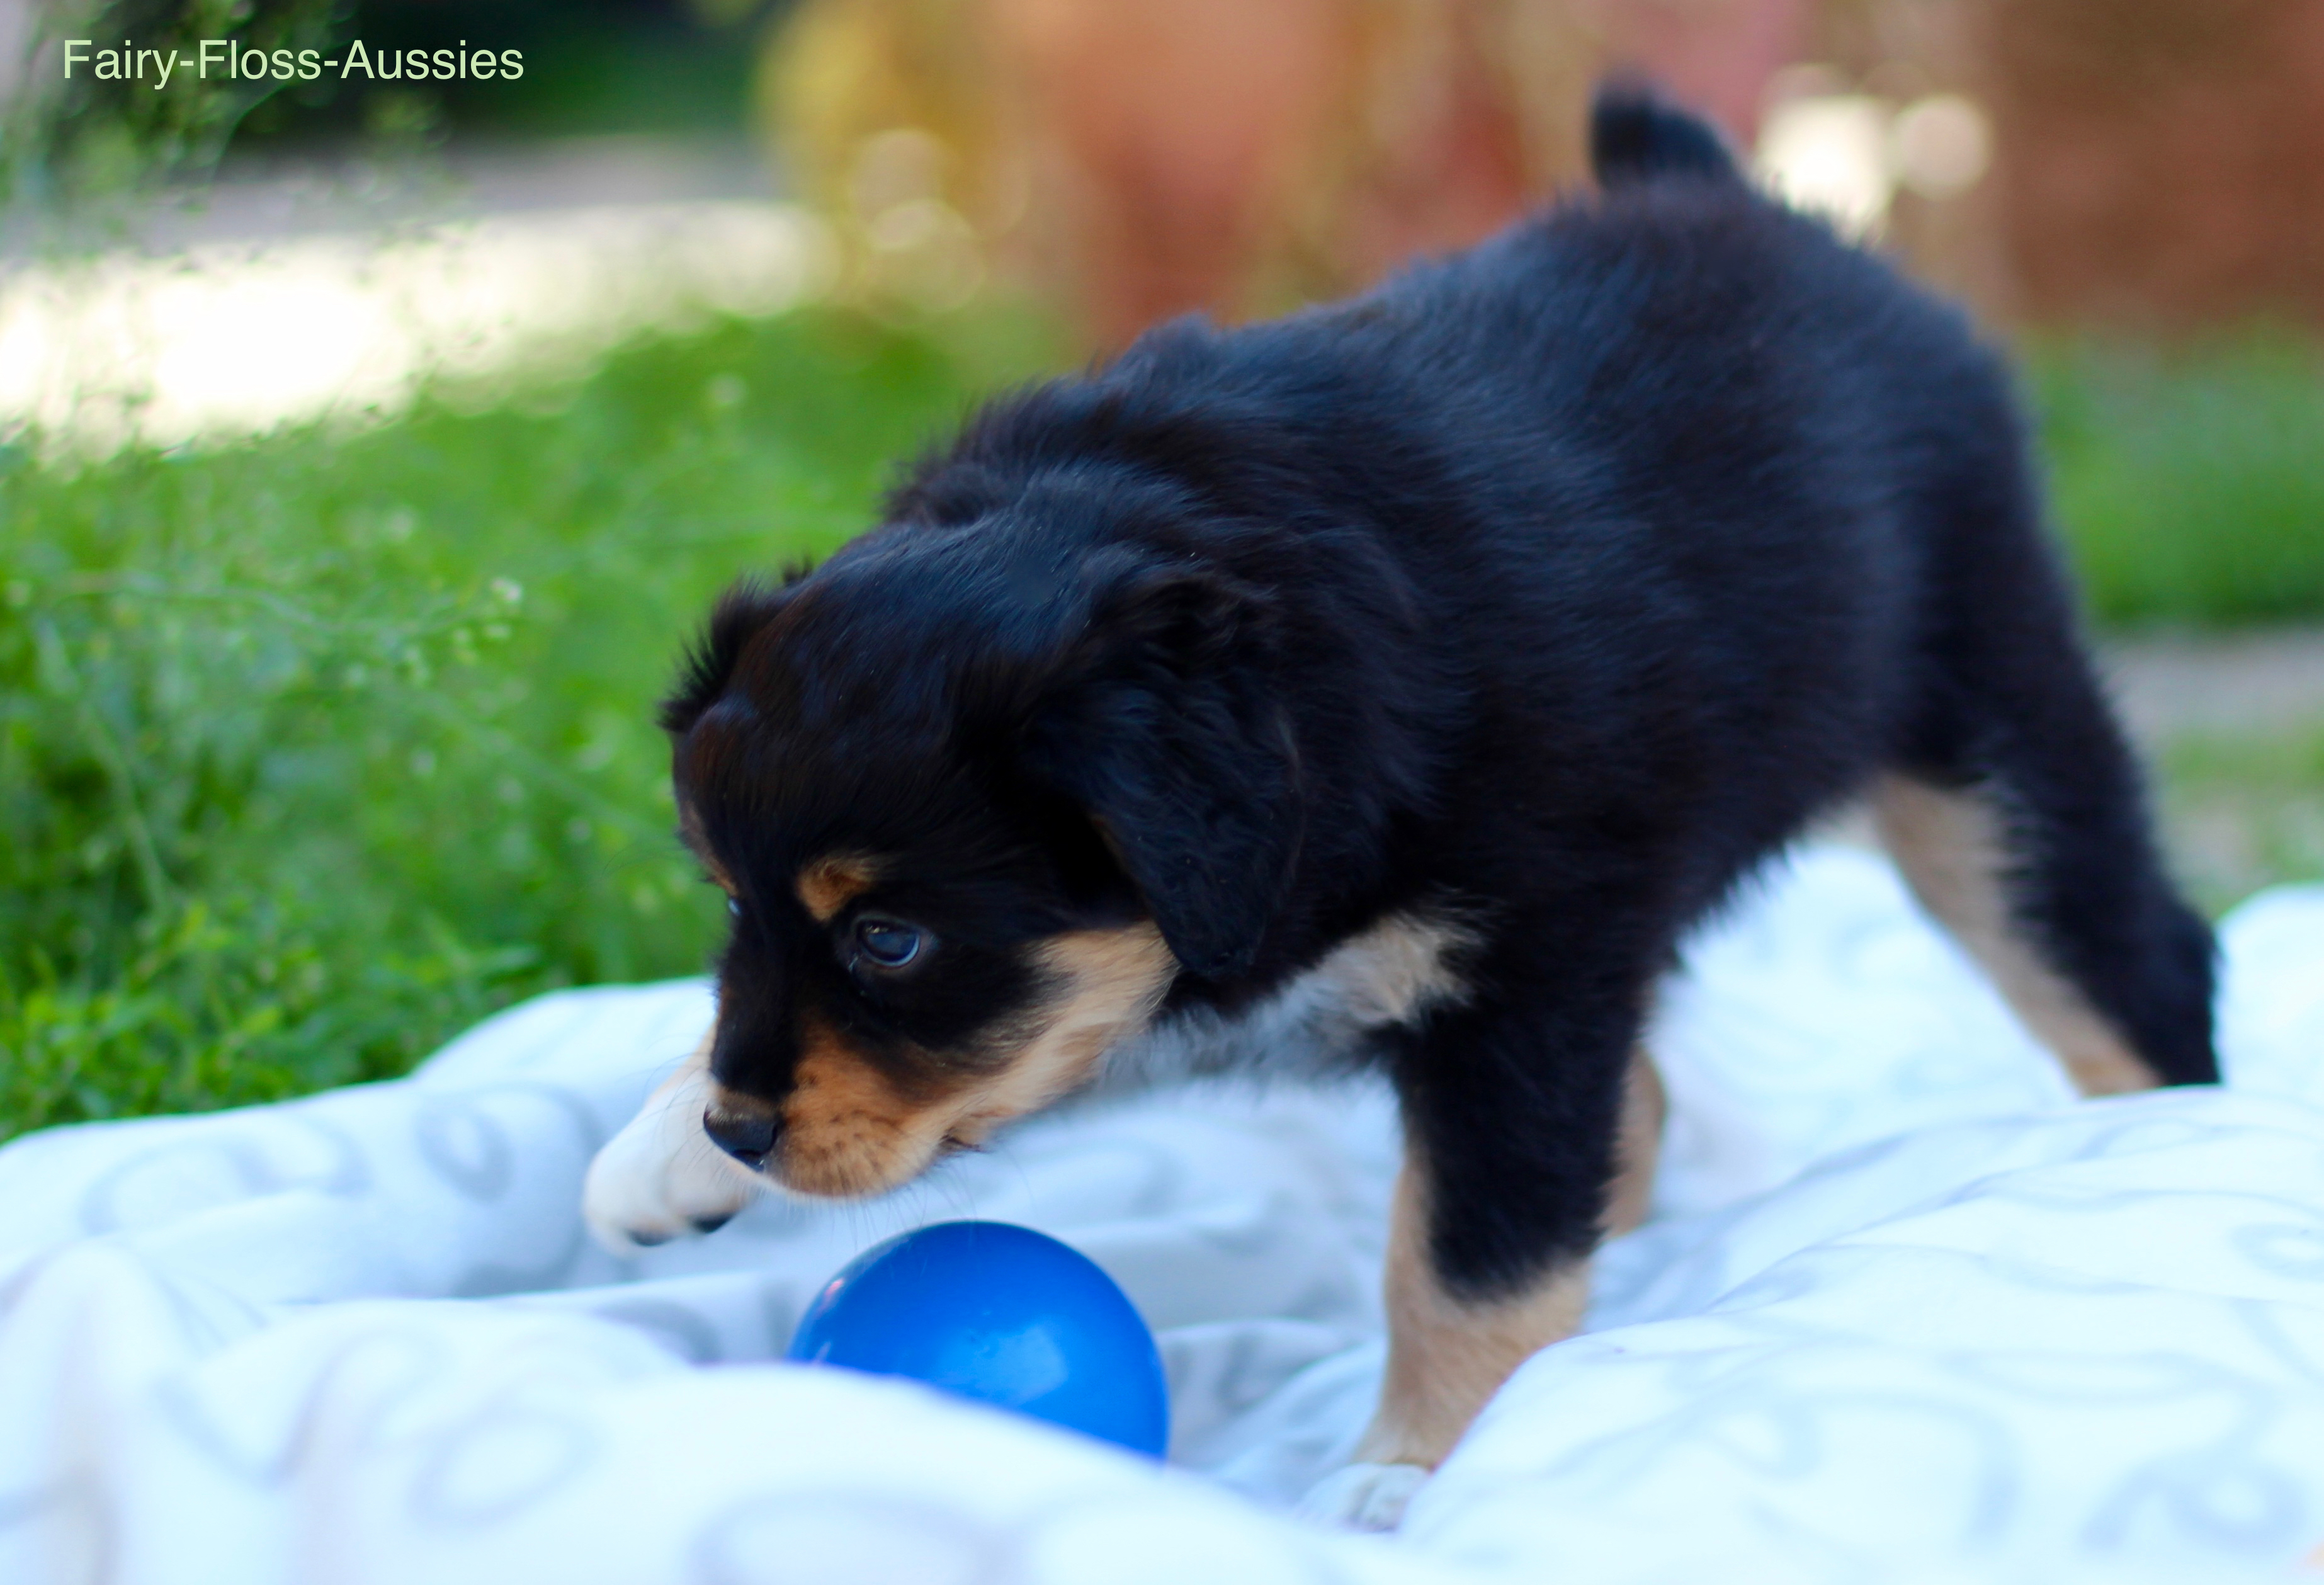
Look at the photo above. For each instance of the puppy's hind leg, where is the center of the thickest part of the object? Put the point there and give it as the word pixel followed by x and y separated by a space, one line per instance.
pixel 2015 809
pixel 1957 849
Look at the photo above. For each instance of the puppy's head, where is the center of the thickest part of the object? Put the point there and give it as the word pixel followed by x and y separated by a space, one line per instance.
pixel 973 816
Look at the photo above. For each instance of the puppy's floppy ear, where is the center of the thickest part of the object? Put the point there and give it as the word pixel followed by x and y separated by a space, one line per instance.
pixel 741 612
pixel 1160 720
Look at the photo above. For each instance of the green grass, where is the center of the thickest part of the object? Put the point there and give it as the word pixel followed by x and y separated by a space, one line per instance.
pixel 2190 483
pixel 2244 810
pixel 313 751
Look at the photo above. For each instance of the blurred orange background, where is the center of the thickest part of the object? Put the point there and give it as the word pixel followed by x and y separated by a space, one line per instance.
pixel 2152 163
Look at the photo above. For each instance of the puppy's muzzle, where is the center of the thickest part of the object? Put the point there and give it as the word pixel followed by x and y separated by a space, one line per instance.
pixel 745 1132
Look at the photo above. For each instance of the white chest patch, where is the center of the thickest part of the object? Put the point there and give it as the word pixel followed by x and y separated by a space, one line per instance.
pixel 1390 973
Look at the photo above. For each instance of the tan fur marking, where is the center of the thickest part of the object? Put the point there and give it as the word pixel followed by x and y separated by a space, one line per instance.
pixel 1393 970
pixel 830 883
pixel 689 830
pixel 1639 1147
pixel 849 1129
pixel 1447 1356
pixel 1110 982
pixel 1950 847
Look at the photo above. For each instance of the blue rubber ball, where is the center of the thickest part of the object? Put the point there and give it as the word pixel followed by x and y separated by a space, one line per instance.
pixel 1004 1315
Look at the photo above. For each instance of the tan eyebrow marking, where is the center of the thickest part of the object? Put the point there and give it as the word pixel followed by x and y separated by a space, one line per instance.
pixel 690 831
pixel 828 884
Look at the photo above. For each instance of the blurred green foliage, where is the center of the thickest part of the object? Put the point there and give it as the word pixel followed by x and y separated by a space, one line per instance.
pixel 316 750
pixel 590 67
pixel 86 135
pixel 2189 481
pixel 2244 809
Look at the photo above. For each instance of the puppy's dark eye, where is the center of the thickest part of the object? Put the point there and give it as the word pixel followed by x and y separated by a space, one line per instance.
pixel 734 907
pixel 889 944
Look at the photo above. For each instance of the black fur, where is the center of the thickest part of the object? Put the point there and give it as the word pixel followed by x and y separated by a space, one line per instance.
pixel 1554 586
pixel 1633 136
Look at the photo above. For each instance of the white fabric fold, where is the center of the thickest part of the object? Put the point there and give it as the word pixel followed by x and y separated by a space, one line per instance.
pixel 1907 1312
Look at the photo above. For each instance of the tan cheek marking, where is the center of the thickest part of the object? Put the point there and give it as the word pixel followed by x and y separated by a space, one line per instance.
pixel 1951 848
pixel 1446 1356
pixel 1109 983
pixel 847 1129
pixel 830 884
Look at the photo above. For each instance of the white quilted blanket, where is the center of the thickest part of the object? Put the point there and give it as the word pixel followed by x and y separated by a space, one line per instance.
pixel 1905 1313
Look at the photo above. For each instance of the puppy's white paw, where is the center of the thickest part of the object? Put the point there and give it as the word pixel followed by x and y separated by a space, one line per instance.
pixel 661 1178
pixel 1363 1496
pixel 632 1201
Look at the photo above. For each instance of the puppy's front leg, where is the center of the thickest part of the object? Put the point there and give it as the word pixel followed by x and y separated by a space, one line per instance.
pixel 661 1177
pixel 1449 1350
pixel 1485 1270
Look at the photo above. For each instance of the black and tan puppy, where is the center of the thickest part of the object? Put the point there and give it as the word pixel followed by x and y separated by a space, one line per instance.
pixel 1440 657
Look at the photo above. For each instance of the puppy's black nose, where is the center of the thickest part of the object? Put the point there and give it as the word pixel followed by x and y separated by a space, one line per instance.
pixel 746 1136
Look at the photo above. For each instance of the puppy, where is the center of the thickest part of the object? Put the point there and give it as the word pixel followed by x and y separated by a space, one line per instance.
pixel 1438 658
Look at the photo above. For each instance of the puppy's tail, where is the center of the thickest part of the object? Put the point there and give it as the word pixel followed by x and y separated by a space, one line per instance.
pixel 1636 136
